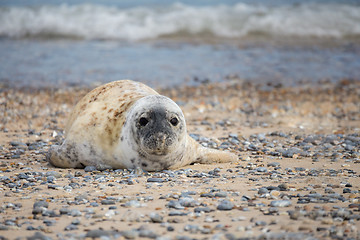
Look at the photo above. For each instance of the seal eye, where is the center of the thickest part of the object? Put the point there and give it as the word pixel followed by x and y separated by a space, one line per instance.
pixel 174 121
pixel 143 121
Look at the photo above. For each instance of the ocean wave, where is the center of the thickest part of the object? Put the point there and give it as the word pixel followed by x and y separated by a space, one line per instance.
pixel 103 22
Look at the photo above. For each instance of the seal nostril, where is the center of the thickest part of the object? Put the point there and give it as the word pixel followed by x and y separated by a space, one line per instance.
pixel 174 121
pixel 143 121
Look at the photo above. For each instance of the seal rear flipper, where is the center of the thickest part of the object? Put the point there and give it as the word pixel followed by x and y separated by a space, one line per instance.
pixel 57 157
pixel 208 155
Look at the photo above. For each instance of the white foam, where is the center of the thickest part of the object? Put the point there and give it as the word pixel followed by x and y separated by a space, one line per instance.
pixel 104 22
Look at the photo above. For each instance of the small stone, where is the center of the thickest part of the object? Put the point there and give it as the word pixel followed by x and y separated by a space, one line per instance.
pixel 283 187
pixel 221 194
pixel 273 210
pixel 54 186
pixel 292 152
pixel 38 236
pixel 263 190
pixel 156 218
pixel 94 204
pixel 75 213
pixel 133 204
pixel 275 194
pixel 273 164
pixel 48 222
pixel 260 223
pixel 156 180
pixel 54 174
pixel 281 203
pixel 107 202
pixel 170 228
pixel 81 198
pixel 71 227
pixel 42 204
pixel 3 227
pixel 16 144
pixel 188 202
pixel 346 190
pixel 177 213
pixel 294 215
pixel 90 169
pixel 202 209
pixel 261 169
pixel 130 234
pixel 225 205
pixel 76 222
pixel 98 233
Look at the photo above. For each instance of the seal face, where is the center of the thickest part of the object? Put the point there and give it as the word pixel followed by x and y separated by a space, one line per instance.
pixel 158 129
pixel 126 124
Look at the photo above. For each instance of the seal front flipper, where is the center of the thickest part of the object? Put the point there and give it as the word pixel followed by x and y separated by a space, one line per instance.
pixel 59 156
pixel 209 156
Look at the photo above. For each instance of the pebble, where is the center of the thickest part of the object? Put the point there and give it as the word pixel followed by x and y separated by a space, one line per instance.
pixel 280 203
pixel 273 164
pixel 156 218
pixel 90 169
pixel 225 205
pixel 177 213
pixel 155 180
pixel 130 234
pixel 38 236
pixel 107 202
pixel 133 204
pixel 263 190
pixel 97 233
pixel 203 209
pixel 3 227
pixel 261 169
pixel 71 227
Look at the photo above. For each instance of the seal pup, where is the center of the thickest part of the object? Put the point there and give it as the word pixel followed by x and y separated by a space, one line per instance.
pixel 126 124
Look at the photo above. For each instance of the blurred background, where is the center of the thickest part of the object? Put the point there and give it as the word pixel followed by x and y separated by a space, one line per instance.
pixel 166 43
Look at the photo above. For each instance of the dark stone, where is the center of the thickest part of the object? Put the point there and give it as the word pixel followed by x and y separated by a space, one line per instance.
pixel 38 236
pixel 157 180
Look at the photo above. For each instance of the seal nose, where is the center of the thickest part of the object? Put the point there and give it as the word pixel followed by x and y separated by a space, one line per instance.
pixel 160 141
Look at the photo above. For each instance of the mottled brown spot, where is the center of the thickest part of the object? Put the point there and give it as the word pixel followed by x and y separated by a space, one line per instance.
pixel 82 107
pixel 96 94
pixel 118 113
pixel 108 129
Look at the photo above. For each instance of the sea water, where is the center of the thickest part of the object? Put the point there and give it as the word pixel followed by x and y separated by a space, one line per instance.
pixel 167 43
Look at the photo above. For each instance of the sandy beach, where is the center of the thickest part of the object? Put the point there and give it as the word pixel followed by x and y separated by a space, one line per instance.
pixel 297 174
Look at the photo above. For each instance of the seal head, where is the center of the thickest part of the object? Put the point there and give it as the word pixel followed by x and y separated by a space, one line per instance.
pixel 157 128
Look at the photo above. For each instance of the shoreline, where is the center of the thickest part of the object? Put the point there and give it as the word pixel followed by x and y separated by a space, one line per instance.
pixel 297 175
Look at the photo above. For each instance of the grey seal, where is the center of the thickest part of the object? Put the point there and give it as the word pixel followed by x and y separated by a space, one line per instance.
pixel 126 124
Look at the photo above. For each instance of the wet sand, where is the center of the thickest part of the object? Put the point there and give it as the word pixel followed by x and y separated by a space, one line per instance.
pixel 297 175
